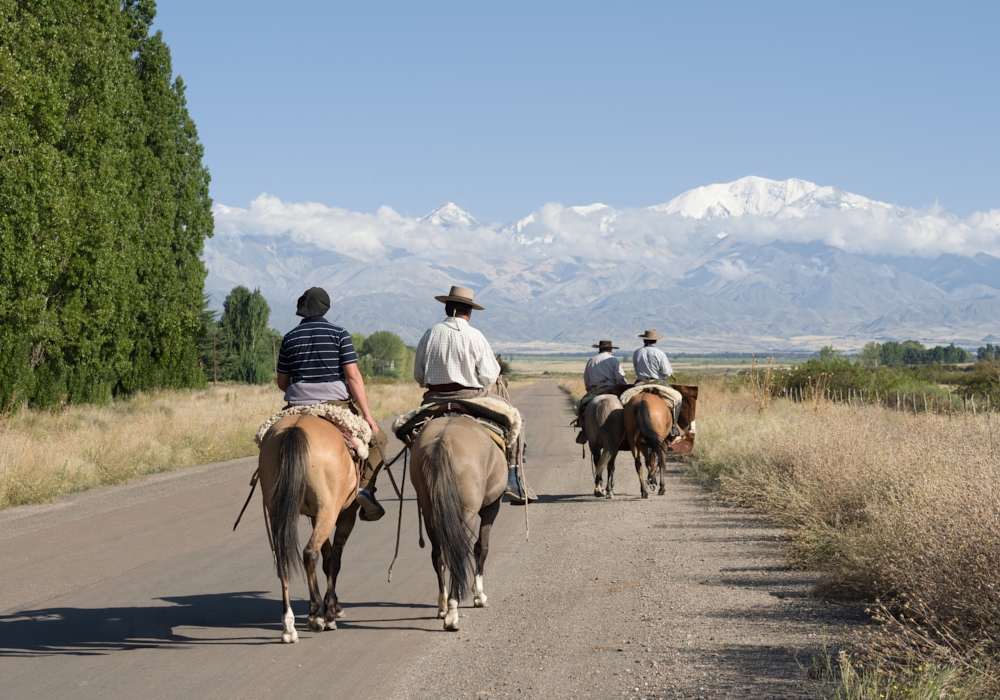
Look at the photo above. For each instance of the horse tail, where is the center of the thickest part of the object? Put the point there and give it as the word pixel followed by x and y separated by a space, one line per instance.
pixel 648 433
pixel 450 530
pixel 286 499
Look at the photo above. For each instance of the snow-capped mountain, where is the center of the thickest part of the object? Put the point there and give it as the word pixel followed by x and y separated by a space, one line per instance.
pixel 754 264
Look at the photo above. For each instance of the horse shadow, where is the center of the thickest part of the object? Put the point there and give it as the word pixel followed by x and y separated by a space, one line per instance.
pixel 98 631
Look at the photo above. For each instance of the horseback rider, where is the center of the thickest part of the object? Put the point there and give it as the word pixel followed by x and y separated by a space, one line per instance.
pixel 603 370
pixel 651 363
pixel 317 363
pixel 454 361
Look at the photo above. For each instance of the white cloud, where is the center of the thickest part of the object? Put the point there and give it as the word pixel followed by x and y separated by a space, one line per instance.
pixel 798 212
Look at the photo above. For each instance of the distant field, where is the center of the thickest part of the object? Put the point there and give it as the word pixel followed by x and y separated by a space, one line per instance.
pixel 562 366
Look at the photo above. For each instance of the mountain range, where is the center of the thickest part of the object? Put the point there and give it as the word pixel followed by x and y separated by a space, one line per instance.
pixel 753 265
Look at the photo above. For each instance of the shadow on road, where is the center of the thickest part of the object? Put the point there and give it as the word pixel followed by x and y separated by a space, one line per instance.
pixel 95 631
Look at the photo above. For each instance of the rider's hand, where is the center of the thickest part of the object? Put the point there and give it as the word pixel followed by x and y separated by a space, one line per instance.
pixel 371 421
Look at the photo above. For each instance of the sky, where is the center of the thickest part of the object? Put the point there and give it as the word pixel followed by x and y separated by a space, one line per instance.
pixel 504 107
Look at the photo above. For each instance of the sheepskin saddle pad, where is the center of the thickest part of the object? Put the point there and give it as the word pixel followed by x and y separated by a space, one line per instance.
pixel 668 393
pixel 496 415
pixel 357 432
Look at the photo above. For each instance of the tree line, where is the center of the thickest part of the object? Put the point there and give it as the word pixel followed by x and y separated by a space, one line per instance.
pixel 911 352
pixel 104 206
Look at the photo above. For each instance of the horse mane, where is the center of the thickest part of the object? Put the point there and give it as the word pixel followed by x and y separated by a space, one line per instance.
pixel 505 367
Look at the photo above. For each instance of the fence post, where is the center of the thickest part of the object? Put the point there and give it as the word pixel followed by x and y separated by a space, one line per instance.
pixel 215 371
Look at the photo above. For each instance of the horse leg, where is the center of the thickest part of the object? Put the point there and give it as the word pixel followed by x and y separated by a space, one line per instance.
pixel 651 466
pixel 437 560
pixel 638 471
pixel 486 517
pixel 663 477
pixel 596 455
pixel 288 633
pixel 610 491
pixel 332 553
pixel 322 528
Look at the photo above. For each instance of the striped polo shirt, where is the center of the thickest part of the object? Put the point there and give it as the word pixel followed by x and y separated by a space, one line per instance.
pixel 316 351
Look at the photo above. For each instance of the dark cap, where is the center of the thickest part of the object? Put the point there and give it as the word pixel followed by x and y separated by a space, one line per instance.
pixel 315 302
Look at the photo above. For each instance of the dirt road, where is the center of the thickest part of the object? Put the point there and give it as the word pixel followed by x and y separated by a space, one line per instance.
pixel 144 591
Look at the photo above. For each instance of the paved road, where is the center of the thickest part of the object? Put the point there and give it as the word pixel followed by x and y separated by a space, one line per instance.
pixel 144 591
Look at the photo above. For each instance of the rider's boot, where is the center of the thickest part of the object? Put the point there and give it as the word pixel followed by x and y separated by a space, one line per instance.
pixel 517 488
pixel 371 509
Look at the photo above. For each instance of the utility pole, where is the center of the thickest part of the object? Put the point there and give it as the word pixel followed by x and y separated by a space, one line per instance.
pixel 215 372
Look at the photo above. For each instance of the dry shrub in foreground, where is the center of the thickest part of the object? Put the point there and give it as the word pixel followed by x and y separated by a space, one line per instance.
pixel 47 453
pixel 900 510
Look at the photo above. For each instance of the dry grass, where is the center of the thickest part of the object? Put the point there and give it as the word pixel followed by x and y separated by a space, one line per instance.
pixel 898 510
pixel 573 387
pixel 46 453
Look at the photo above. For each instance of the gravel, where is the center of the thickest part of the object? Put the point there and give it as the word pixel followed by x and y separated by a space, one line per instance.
pixel 670 597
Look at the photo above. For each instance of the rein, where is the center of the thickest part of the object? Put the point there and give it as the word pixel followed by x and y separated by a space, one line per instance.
pixel 405 453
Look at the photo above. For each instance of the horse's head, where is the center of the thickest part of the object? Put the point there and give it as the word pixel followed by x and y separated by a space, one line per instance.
pixel 505 367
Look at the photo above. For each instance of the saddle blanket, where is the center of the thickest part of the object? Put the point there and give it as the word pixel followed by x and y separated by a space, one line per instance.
pixel 502 412
pixel 352 426
pixel 669 394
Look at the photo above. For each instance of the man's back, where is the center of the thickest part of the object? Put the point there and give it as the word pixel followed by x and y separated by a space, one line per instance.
pixel 453 352
pixel 314 353
pixel 651 363
pixel 603 367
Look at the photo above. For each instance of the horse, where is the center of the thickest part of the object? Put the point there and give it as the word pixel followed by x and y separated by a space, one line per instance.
pixel 459 473
pixel 648 420
pixel 648 424
pixel 604 425
pixel 305 467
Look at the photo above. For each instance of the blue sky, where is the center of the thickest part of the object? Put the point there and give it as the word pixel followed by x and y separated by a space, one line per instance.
pixel 502 107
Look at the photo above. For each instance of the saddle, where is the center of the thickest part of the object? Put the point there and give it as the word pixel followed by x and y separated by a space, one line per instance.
pixel 409 425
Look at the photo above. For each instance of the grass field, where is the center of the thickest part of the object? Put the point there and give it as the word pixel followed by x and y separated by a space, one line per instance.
pixel 901 512
pixel 47 453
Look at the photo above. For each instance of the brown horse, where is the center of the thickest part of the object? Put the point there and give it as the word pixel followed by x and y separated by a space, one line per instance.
pixel 605 429
pixel 459 473
pixel 648 420
pixel 305 468
pixel 648 423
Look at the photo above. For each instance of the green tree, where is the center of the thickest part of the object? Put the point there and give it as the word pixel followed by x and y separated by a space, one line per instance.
pixel 104 206
pixel 246 336
pixel 870 354
pixel 388 353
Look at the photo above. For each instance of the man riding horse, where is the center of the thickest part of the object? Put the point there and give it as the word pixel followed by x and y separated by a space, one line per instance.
pixel 602 373
pixel 454 361
pixel 317 363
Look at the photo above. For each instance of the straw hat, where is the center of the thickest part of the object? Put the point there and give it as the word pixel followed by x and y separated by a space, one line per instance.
pixel 462 295
pixel 650 334
pixel 604 345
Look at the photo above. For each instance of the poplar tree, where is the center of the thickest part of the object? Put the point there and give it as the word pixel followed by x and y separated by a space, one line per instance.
pixel 104 206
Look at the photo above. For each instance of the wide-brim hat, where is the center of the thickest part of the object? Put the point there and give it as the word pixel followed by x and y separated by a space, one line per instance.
pixel 650 334
pixel 462 295
pixel 604 344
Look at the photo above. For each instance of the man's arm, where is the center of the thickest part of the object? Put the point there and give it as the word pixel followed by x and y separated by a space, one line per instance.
pixel 487 367
pixel 352 375
pixel 619 373
pixel 420 360
pixel 667 369
pixel 284 381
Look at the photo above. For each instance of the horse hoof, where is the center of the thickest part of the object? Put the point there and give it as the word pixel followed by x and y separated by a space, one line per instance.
pixel 441 614
pixel 662 492
pixel 645 495
pixel 610 495
pixel 481 602
pixel 598 493
pixel 451 625
pixel 317 624
pixel 290 637
pixel 331 624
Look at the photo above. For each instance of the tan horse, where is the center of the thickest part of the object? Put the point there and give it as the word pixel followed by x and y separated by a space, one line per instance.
pixel 459 473
pixel 604 425
pixel 305 468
